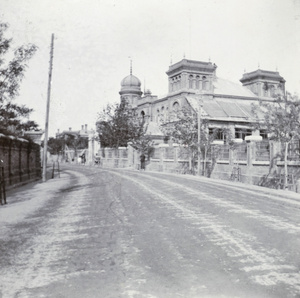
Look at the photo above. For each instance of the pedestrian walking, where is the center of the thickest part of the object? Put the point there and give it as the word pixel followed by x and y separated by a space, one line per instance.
pixel 143 162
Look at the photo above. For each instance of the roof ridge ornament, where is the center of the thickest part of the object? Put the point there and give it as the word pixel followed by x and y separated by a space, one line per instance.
pixel 130 65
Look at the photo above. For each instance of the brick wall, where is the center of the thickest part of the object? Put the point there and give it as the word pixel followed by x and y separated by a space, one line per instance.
pixel 20 159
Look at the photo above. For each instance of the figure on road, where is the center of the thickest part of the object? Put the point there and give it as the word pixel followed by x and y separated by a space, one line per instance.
pixel 97 159
pixel 143 162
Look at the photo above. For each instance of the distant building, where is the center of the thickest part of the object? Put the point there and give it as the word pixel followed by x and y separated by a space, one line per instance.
pixel 83 132
pixel 76 143
pixel 224 103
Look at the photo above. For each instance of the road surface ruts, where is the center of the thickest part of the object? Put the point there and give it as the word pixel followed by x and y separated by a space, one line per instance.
pixel 260 232
pixel 112 233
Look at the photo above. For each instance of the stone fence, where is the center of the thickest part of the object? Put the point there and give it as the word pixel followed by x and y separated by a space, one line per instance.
pixel 252 162
pixel 20 160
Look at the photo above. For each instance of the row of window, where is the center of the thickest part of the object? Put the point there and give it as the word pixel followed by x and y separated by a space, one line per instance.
pixel 195 82
pixel 198 84
pixel 219 134
pixel 239 133
pixel 268 90
pixel 163 113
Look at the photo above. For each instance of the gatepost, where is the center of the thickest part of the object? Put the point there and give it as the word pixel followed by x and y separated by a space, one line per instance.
pixel 251 148
pixel 130 155
pixel 91 148
pixel 161 156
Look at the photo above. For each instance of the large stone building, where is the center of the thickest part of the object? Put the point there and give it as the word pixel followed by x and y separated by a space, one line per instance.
pixel 191 82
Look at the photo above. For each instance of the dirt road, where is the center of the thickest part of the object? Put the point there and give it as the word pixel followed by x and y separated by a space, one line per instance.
pixel 105 233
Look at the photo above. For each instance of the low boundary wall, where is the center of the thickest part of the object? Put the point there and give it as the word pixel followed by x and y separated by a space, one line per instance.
pixel 20 159
pixel 256 163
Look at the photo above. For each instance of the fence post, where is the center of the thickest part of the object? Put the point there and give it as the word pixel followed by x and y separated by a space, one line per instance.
pixel 130 156
pixel 272 153
pixel 9 161
pixel 176 148
pixel 91 148
pixel 250 153
pixel 27 161
pixel 276 149
pixel 161 148
pixel 20 162
pixel 231 155
pixel 53 170
pixel 298 186
pixel 2 187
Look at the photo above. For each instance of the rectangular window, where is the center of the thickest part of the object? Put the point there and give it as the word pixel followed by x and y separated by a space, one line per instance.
pixel 241 133
pixel 263 133
pixel 218 133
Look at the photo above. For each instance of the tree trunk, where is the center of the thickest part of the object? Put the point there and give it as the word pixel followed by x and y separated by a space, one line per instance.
pixel 285 185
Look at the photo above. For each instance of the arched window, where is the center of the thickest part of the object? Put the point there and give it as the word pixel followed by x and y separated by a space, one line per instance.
pixel 175 106
pixel 157 115
pixel 266 89
pixel 197 82
pixel 191 81
pixel 280 89
pixel 272 91
pixel 176 84
pixel 204 83
pixel 163 113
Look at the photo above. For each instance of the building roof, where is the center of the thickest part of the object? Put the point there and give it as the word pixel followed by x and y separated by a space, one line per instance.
pixel 131 84
pixel 223 108
pixel 153 129
pixel 130 81
pixel 225 87
pixel 191 65
pixel 260 74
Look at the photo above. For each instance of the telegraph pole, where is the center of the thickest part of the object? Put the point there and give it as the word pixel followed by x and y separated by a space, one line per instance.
pixel 47 112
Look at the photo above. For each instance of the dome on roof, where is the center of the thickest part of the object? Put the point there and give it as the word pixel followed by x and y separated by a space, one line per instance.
pixel 131 81
pixel 131 84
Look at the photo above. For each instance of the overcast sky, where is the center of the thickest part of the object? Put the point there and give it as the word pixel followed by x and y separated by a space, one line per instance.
pixel 94 38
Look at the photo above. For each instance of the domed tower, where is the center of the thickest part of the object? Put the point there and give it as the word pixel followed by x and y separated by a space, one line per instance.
pixel 131 89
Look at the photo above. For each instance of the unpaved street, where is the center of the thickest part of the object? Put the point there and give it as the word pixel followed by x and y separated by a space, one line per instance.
pixel 117 233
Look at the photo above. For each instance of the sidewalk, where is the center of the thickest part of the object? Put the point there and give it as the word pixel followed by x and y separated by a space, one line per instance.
pixel 11 192
pixel 24 200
